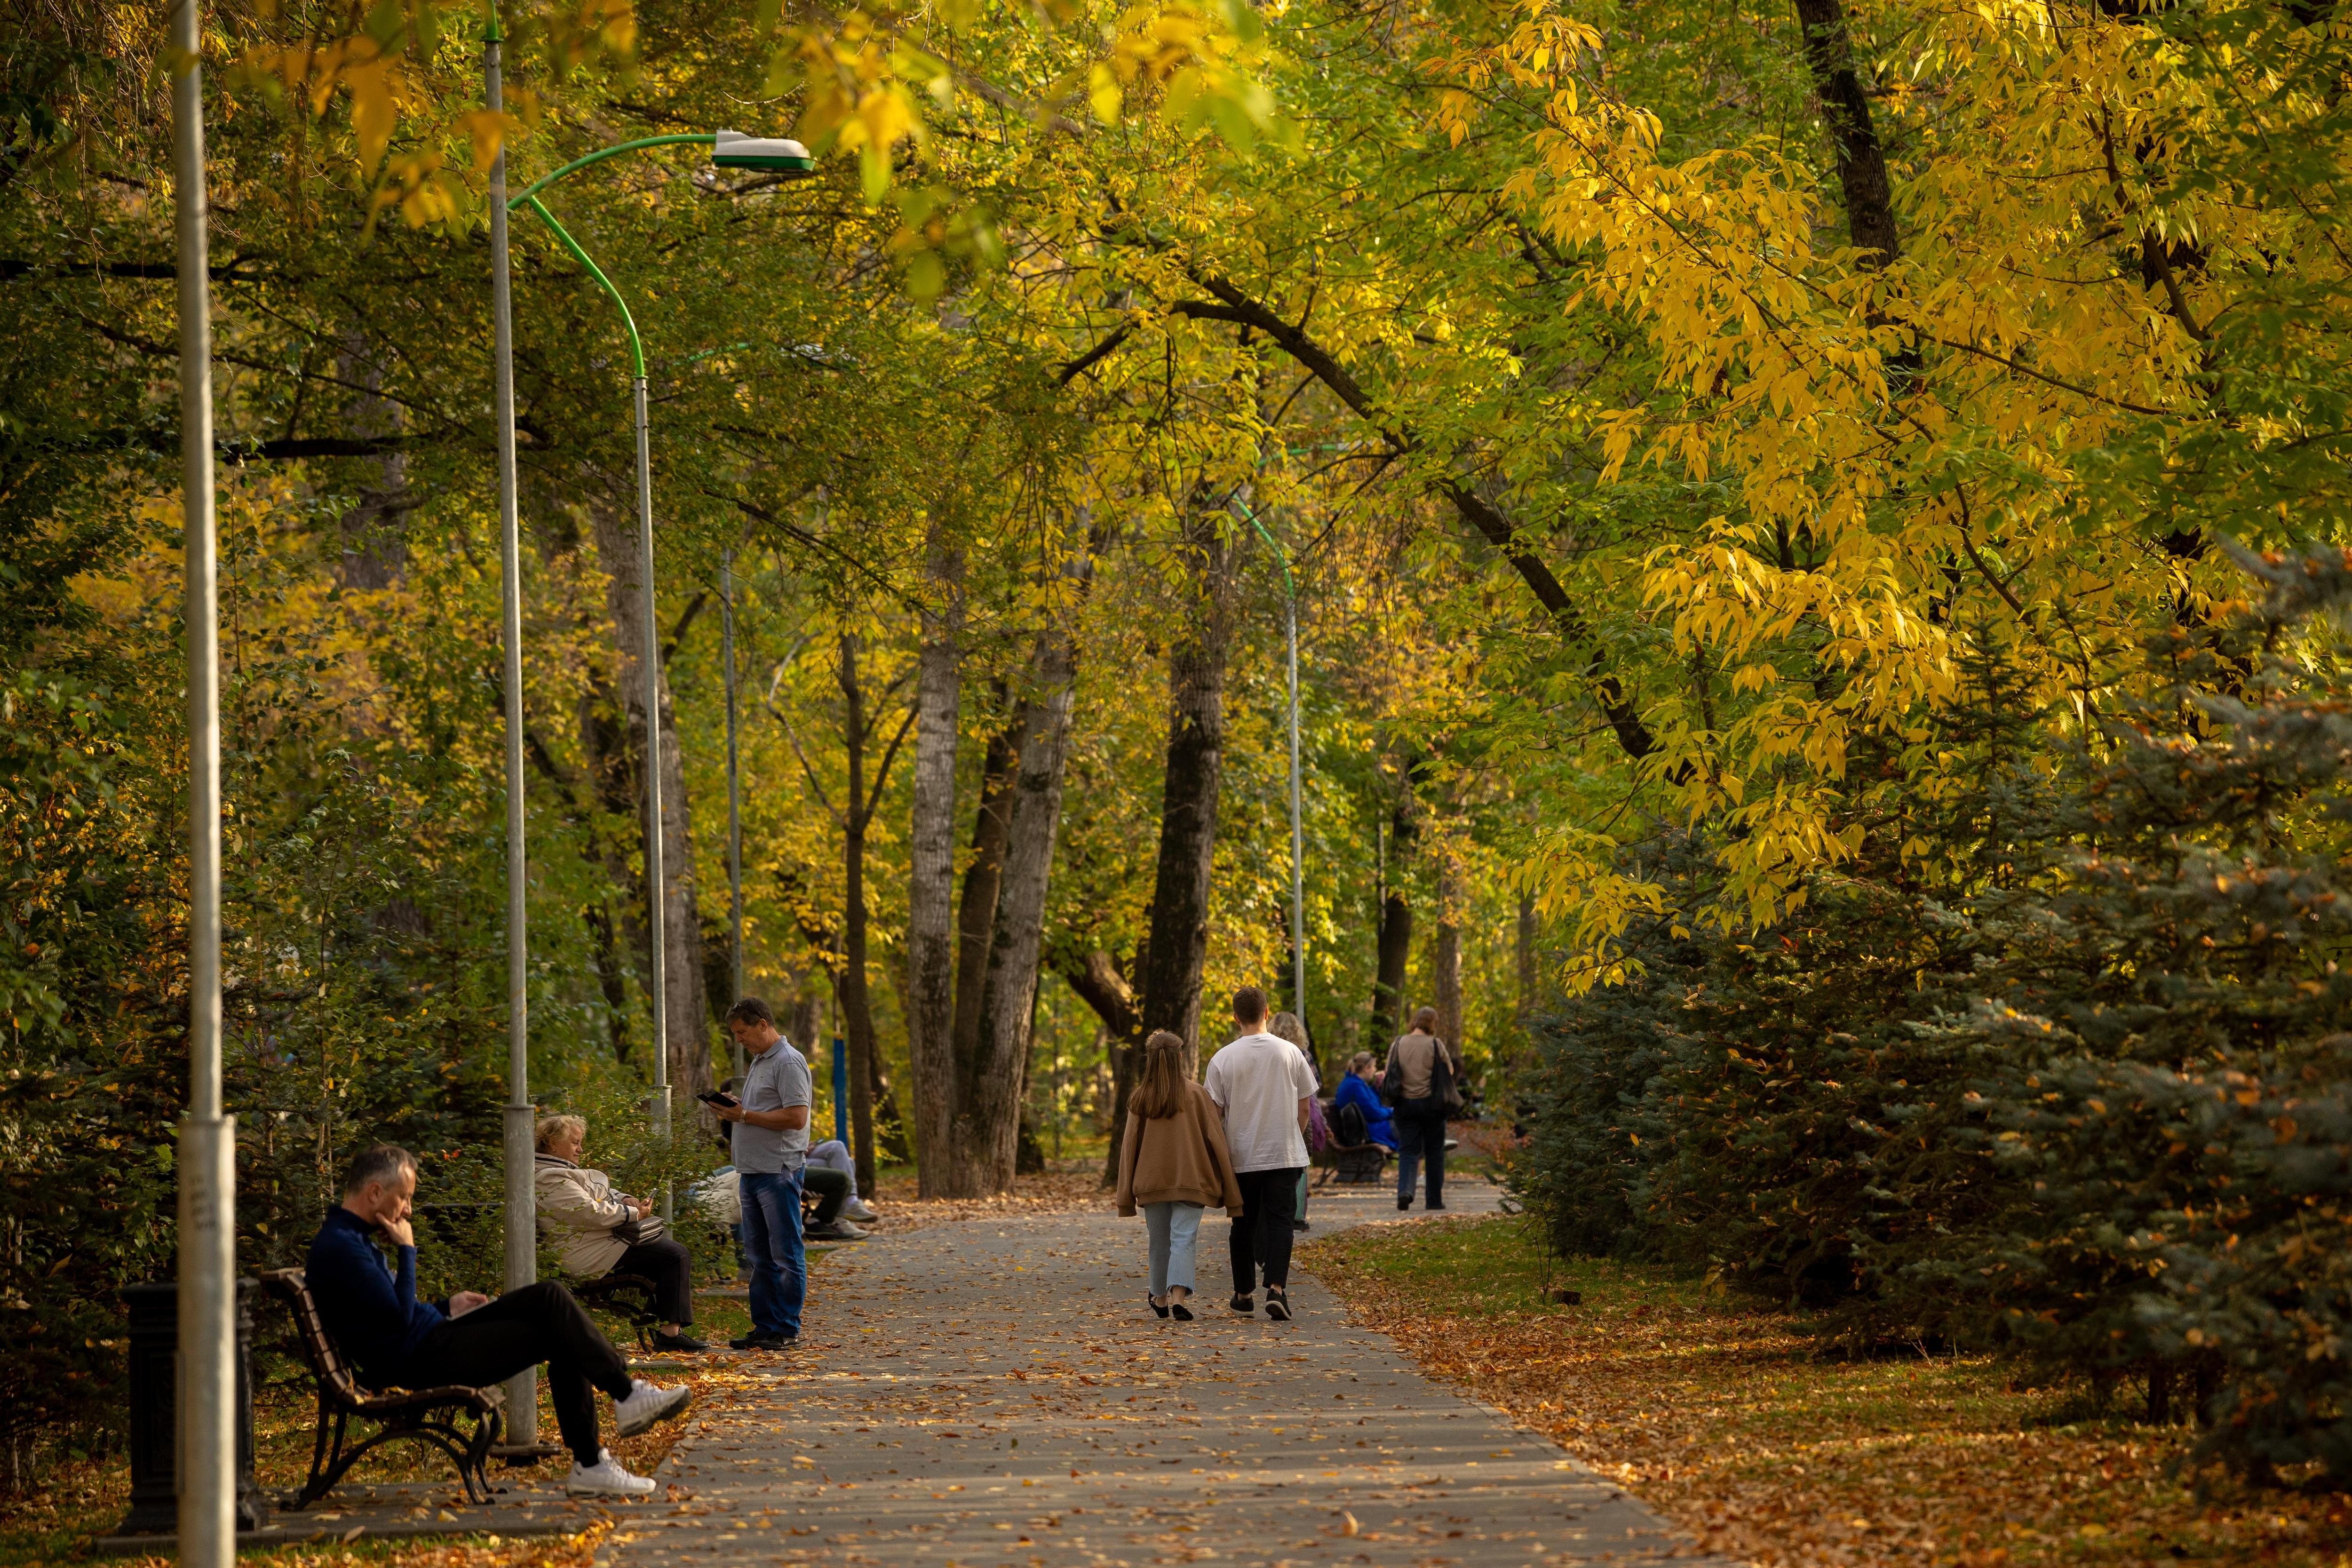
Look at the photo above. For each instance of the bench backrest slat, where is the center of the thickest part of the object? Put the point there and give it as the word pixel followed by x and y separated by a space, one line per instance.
pixel 317 1346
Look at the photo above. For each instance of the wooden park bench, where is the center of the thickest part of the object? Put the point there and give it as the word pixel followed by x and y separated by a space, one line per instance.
pixel 627 1296
pixel 428 1415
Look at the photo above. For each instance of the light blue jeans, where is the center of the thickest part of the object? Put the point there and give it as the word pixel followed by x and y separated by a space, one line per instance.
pixel 1173 1230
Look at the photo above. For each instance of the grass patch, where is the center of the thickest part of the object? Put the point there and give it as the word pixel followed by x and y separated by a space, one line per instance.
pixel 1713 1409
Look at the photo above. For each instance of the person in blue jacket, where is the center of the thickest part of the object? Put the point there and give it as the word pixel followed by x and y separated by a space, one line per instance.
pixel 398 1341
pixel 1357 1090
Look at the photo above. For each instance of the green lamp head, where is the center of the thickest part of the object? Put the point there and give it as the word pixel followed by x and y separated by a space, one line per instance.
pixel 769 154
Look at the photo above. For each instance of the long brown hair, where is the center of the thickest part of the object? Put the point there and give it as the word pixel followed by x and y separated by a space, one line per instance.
pixel 1161 1092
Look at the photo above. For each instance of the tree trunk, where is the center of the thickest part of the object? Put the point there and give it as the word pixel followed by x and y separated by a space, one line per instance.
pixel 1178 945
pixel 1445 957
pixel 975 925
pixel 375 538
pixel 687 1002
pixel 1099 984
pixel 987 1110
pixel 976 917
pixel 1396 925
pixel 856 1006
pixel 1845 104
pixel 931 1001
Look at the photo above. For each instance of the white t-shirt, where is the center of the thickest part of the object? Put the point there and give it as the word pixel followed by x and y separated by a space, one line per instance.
pixel 1258 1081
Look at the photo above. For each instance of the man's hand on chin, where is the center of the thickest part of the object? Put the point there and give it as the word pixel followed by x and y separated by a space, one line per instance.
pixel 464 1301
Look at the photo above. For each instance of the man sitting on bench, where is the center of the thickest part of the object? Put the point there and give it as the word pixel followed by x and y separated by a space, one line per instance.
pixel 398 1341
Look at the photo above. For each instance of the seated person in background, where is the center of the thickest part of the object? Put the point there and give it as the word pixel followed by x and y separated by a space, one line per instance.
pixel 398 1341
pixel 830 1177
pixel 597 1231
pixel 1356 1089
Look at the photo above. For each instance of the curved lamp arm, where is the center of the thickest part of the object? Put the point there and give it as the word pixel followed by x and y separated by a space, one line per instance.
pixel 636 346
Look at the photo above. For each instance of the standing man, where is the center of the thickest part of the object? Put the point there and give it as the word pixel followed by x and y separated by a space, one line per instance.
pixel 770 1142
pixel 1411 1085
pixel 1263 1086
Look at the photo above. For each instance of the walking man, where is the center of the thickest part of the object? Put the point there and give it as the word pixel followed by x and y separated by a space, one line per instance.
pixel 1263 1085
pixel 769 1143
pixel 1411 1085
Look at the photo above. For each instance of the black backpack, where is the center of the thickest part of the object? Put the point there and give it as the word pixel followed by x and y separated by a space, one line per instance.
pixel 1348 1129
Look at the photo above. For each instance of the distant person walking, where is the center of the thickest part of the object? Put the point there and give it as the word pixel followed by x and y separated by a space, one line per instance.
pixel 1174 1164
pixel 1263 1086
pixel 1421 1074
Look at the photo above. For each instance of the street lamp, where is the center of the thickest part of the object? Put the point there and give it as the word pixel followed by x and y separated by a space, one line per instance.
pixel 729 150
pixel 1297 841
pixel 206 1397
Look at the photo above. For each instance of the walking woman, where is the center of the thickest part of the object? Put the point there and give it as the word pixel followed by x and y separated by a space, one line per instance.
pixel 1173 1164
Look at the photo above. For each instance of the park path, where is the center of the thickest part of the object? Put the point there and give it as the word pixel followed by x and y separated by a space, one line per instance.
pixel 993 1391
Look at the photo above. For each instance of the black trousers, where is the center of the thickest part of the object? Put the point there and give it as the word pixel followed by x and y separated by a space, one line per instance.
pixel 1420 1137
pixel 832 1190
pixel 1259 1242
pixel 671 1268
pixel 536 1323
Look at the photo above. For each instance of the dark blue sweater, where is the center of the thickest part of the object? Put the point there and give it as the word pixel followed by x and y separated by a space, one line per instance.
pixel 373 1314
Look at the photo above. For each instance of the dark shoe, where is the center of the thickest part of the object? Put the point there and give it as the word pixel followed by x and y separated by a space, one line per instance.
pixel 762 1340
pixel 1277 1306
pixel 1404 1204
pixel 1433 1208
pixel 1242 1301
pixel 681 1342
pixel 1183 1313
pixel 1299 1225
pixel 1155 1306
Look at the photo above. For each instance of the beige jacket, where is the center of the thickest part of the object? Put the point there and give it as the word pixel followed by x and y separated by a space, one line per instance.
pixel 1178 1159
pixel 578 1212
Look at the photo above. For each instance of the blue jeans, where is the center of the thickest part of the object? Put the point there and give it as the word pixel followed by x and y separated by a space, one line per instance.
pixel 772 1245
pixel 1172 1229
pixel 1420 1133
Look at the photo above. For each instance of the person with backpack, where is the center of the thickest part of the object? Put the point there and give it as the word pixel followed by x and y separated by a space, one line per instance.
pixel 1173 1163
pixel 1358 1115
pixel 1419 1084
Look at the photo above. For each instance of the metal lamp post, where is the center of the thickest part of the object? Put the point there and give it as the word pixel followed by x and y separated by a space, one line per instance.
pixel 1298 839
pixel 207 1393
pixel 729 151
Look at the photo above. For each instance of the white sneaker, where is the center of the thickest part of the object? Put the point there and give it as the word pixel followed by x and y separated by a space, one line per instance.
pixel 606 1477
pixel 647 1404
pixel 860 1210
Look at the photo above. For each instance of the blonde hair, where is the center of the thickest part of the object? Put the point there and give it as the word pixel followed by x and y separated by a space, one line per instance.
pixel 1161 1092
pixel 551 1128
pixel 1287 1026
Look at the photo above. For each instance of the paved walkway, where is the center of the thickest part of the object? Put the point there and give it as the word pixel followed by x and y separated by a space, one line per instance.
pixel 995 1392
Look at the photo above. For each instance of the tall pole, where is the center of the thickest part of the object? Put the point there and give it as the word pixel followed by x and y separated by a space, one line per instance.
pixel 206 1395
pixel 734 795
pixel 522 1205
pixel 654 881
pixel 1298 840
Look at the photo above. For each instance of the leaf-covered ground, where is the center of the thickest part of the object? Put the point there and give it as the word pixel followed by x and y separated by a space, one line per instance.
pixel 1714 1411
pixel 86 1498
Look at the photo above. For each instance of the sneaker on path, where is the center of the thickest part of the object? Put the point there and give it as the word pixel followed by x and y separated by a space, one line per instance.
pixel 681 1342
pixel 606 1478
pixel 839 1230
pixel 861 1211
pixel 646 1405
pixel 762 1340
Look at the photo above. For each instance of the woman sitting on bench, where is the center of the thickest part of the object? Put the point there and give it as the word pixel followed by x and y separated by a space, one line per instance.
pixel 1356 1089
pixel 597 1231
